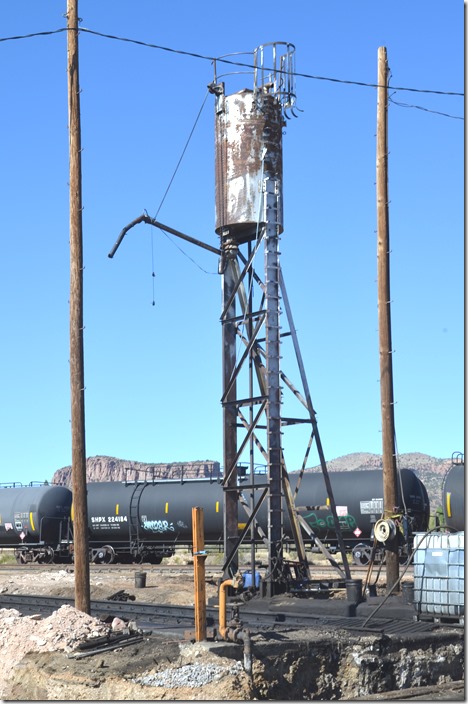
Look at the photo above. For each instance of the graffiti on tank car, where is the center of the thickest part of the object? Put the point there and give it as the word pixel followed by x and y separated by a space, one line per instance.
pixel 158 526
pixel 347 522
pixel 181 524
pixel 315 522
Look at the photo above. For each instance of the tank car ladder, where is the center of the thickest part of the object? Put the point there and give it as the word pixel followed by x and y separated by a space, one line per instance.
pixel 134 524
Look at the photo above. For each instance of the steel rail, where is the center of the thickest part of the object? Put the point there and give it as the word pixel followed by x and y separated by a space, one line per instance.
pixel 260 617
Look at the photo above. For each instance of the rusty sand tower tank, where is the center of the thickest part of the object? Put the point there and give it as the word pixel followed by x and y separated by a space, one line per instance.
pixel 248 144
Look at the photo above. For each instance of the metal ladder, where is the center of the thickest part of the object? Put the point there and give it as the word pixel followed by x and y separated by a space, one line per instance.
pixel 134 523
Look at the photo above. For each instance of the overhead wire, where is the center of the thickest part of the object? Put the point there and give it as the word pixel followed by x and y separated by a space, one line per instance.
pixel 226 61
pixel 171 180
pixel 420 107
pixel 232 62
pixel 182 155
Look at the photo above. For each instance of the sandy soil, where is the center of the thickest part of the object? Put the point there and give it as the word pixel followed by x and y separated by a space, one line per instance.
pixel 38 652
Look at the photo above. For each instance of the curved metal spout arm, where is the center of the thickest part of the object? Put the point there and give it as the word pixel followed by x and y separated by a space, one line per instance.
pixel 150 221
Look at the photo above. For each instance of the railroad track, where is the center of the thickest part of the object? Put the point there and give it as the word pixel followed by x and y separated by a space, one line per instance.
pixel 359 571
pixel 299 614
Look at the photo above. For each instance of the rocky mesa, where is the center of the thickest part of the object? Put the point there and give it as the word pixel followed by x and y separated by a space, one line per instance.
pixel 430 470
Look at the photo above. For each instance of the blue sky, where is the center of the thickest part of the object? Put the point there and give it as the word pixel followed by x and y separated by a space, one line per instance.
pixel 153 372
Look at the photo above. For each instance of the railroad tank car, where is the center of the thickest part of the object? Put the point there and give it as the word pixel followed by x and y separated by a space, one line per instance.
pixel 358 497
pixel 35 521
pixel 453 496
pixel 149 520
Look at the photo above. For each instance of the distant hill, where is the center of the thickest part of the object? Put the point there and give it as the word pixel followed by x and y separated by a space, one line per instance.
pixel 429 469
pixel 111 469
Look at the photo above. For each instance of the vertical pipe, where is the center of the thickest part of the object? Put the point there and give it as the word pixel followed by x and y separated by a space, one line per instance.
pixel 199 557
pixel 82 588
pixel 251 415
pixel 229 250
pixel 385 336
pixel 275 512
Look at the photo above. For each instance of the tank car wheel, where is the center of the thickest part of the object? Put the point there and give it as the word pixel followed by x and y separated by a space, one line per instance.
pixel 362 554
pixel 48 557
pixel 105 555
pixel 20 558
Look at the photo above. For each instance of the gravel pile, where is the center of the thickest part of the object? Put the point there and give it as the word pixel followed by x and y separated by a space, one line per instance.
pixel 62 630
pixel 189 675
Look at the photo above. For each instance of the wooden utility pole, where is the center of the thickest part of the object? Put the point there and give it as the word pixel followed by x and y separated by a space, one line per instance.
pixel 385 336
pixel 80 511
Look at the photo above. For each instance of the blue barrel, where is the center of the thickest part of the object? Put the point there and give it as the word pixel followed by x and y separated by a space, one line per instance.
pixel 247 579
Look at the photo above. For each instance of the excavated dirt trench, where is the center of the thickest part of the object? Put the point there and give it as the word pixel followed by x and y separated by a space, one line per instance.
pixel 287 666
pixel 336 666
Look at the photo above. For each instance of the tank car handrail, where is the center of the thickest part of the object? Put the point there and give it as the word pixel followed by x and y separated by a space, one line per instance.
pixel 13 485
pixel 457 459
pixel 178 469
pixel 208 480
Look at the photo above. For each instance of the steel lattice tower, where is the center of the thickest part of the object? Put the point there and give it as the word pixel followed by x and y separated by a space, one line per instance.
pixel 249 215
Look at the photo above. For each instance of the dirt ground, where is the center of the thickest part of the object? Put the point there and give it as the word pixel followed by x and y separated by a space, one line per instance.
pixel 161 587
pixel 38 653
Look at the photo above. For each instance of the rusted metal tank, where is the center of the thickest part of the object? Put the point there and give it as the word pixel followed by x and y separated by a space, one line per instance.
pixel 248 146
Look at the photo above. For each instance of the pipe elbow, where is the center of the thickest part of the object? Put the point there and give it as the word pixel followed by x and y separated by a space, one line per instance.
pixel 223 587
